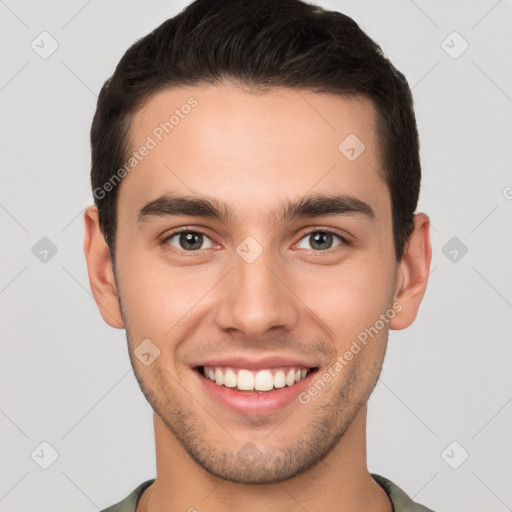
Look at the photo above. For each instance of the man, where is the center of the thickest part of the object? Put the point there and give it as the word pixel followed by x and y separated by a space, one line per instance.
pixel 255 170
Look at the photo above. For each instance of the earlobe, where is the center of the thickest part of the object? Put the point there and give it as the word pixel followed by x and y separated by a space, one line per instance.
pixel 413 273
pixel 99 269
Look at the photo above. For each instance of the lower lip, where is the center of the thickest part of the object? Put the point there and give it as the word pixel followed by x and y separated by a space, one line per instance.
pixel 255 403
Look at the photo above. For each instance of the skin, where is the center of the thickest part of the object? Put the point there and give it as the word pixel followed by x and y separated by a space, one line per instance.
pixel 252 151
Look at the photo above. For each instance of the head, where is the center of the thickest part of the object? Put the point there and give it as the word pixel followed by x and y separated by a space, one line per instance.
pixel 285 142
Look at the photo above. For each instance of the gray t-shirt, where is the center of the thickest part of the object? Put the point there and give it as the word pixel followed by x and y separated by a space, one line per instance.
pixel 401 502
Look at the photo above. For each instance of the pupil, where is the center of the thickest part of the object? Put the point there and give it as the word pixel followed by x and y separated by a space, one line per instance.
pixel 321 238
pixel 188 238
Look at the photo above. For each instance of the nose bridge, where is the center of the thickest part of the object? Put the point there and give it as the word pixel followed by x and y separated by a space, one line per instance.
pixel 254 299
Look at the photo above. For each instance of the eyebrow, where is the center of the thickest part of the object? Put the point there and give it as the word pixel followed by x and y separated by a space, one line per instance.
pixel 314 205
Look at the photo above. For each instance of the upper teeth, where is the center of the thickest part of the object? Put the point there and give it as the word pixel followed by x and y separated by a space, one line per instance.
pixel 249 380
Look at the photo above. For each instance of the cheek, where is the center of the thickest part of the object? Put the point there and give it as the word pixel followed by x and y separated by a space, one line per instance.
pixel 158 298
pixel 349 297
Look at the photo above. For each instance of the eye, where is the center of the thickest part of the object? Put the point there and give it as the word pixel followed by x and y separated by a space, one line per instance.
pixel 188 240
pixel 321 240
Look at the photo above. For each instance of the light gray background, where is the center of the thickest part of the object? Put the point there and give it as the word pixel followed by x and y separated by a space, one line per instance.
pixel 66 377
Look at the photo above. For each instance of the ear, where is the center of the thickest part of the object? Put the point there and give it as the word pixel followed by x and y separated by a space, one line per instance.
pixel 99 268
pixel 413 273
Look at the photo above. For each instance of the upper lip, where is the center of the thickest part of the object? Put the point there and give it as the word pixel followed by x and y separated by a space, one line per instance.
pixel 254 363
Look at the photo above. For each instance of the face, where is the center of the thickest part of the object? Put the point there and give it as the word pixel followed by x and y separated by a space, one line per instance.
pixel 284 259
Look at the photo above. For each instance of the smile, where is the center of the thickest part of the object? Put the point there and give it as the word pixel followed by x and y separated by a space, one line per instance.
pixel 264 380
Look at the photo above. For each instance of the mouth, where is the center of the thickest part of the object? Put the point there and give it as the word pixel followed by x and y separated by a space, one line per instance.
pixel 252 391
pixel 255 381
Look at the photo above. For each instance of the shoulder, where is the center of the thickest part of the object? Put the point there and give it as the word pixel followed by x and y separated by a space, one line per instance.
pixel 129 504
pixel 401 501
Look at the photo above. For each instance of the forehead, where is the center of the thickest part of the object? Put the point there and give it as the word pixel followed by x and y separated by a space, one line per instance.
pixel 251 150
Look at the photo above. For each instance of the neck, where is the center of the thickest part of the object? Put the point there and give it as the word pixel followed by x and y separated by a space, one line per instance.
pixel 340 481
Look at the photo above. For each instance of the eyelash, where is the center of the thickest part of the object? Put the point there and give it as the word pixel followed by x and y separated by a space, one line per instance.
pixel 168 236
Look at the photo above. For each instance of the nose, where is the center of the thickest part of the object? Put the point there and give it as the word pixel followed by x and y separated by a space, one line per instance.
pixel 256 298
